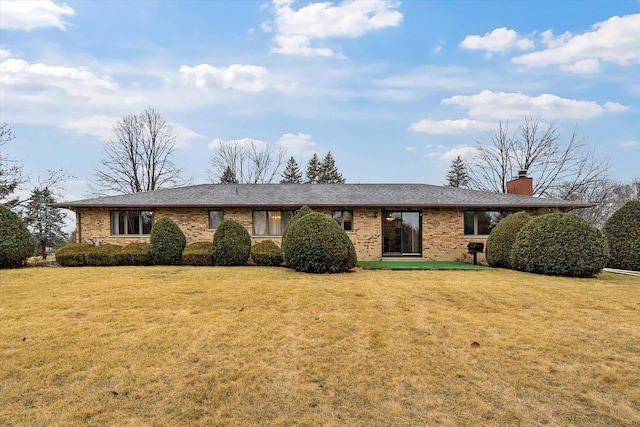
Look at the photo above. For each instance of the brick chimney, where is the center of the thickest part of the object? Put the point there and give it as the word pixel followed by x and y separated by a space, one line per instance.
pixel 521 185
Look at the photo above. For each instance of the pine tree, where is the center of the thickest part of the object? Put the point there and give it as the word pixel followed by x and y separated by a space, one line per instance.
pixel 457 175
pixel 313 170
pixel 43 221
pixel 291 174
pixel 228 177
pixel 328 171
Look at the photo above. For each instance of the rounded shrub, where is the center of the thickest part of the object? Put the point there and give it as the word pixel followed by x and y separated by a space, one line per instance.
pixel 199 253
pixel 73 255
pixel 304 210
pixel 560 245
pixel 231 244
pixel 16 243
pixel 167 242
pixel 135 254
pixel 317 244
pixel 266 253
pixel 501 239
pixel 622 232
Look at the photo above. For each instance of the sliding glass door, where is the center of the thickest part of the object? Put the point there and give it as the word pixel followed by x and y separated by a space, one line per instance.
pixel 401 233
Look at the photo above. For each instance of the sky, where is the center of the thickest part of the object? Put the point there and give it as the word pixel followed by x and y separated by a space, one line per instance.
pixel 395 90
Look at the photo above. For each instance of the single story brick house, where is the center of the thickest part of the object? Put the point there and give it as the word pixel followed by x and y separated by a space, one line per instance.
pixel 383 220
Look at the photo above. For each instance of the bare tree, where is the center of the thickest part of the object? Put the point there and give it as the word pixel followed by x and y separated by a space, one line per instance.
pixel 559 169
pixel 248 161
pixel 139 157
pixel 610 195
pixel 11 176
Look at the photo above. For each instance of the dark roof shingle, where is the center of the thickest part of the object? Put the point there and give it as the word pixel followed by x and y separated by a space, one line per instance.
pixel 319 195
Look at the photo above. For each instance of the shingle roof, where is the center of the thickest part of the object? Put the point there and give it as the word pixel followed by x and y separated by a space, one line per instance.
pixel 319 195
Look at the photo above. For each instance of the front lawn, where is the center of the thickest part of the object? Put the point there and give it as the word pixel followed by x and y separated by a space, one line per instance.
pixel 270 346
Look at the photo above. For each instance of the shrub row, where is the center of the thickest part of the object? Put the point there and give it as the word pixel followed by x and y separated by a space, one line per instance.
pixel 555 244
pixel 84 254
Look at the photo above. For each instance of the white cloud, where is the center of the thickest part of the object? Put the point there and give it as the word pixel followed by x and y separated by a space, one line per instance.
pixel 98 126
pixel 615 40
pixel 299 31
pixel 411 149
pixel 22 82
pixel 504 106
pixel 5 54
pixel 247 78
pixel 615 107
pixel 498 40
pixel 460 150
pixel 183 134
pixel 450 127
pixel 102 128
pixel 29 15
pixel 629 144
pixel 299 144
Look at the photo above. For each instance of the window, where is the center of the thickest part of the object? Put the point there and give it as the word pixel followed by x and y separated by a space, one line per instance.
pixel 271 223
pixel 125 223
pixel 480 223
pixel 345 219
pixel 215 219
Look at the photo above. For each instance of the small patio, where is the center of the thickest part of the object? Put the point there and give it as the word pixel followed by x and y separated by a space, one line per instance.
pixel 419 265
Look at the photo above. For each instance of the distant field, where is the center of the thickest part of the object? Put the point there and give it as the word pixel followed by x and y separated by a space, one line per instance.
pixel 251 346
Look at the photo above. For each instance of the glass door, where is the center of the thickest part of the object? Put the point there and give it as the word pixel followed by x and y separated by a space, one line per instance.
pixel 401 233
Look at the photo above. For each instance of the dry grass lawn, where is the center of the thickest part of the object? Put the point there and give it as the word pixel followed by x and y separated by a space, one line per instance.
pixel 269 346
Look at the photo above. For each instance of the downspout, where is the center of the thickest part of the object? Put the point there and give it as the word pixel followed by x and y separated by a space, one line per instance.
pixel 78 227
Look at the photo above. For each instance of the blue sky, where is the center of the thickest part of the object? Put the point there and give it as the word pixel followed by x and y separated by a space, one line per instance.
pixel 395 90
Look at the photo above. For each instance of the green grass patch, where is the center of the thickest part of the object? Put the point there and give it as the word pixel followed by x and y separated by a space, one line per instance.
pixel 419 265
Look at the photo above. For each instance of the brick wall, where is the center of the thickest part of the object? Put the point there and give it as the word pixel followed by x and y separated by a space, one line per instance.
pixel 443 236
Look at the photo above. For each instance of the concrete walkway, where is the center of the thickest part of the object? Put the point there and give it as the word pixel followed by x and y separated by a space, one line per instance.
pixel 629 272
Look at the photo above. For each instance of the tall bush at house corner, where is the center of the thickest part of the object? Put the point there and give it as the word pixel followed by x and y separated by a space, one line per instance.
pixel 501 239
pixel 622 232
pixel 231 244
pixel 317 244
pixel 560 245
pixel 16 243
pixel 167 242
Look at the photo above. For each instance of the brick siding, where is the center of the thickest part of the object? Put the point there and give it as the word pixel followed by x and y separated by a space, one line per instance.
pixel 443 236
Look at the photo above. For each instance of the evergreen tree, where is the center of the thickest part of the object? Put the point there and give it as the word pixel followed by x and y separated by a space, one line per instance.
pixel 291 174
pixel 43 221
pixel 313 170
pixel 328 171
pixel 457 175
pixel 228 177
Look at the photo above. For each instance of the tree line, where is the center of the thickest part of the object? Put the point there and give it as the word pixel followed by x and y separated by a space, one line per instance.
pixel 561 169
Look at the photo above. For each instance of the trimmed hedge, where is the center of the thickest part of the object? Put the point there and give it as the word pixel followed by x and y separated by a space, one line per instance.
pixel 167 242
pixel 501 239
pixel 135 254
pixel 622 232
pixel 199 253
pixel 16 243
pixel 231 244
pixel 266 253
pixel 103 256
pixel 560 245
pixel 73 255
pixel 315 243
